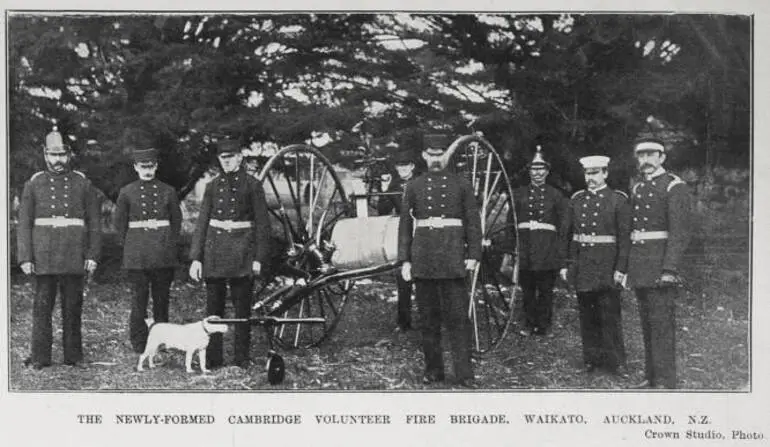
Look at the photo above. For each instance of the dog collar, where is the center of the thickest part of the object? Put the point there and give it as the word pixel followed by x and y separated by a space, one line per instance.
pixel 203 324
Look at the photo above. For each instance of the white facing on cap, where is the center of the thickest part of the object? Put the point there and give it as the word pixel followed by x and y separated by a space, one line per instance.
pixel 649 146
pixel 595 161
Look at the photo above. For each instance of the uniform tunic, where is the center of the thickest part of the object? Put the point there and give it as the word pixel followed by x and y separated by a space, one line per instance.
pixel 601 213
pixel 541 249
pixel 438 264
pixel 659 204
pixel 596 218
pixel 148 248
pixel 439 252
pixel 230 253
pixel 58 250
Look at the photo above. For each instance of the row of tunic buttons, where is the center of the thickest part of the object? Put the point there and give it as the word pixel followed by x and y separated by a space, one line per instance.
pixel 638 207
pixel 146 204
pixel 596 214
pixel 53 197
pixel 232 200
pixel 540 201
pixel 443 186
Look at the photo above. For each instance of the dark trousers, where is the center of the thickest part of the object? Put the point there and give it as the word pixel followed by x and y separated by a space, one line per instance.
pixel 656 309
pixel 537 288
pixel 445 300
pixel 404 319
pixel 601 329
pixel 142 282
pixel 240 294
pixel 71 287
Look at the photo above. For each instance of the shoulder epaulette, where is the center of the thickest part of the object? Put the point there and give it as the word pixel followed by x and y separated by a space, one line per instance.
pixel 621 193
pixel 37 174
pixel 675 180
pixel 577 193
pixel 79 173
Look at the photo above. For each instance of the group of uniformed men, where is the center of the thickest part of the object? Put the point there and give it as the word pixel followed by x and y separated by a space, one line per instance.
pixel 601 241
pixel 614 241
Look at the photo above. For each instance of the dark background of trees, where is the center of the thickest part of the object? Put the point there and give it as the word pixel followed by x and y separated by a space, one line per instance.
pixel 574 84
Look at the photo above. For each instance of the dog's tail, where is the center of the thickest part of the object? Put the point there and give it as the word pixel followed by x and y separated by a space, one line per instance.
pixel 150 322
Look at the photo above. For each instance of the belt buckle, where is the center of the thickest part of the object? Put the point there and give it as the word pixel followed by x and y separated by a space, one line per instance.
pixel 433 223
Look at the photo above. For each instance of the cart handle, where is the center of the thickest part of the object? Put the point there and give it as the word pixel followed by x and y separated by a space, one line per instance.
pixel 267 320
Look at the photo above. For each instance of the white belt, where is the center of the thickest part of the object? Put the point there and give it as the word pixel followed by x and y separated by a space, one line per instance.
pixel 59 222
pixel 637 235
pixel 230 224
pixel 535 225
pixel 439 222
pixel 594 239
pixel 149 223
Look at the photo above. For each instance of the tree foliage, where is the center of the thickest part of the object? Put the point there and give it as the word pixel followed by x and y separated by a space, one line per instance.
pixel 575 84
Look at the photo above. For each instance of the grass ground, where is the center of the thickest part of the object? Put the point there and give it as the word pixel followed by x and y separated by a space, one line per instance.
pixel 365 354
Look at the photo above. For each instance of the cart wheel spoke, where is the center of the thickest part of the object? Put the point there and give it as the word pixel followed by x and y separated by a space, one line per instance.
pixel 476 159
pixel 306 199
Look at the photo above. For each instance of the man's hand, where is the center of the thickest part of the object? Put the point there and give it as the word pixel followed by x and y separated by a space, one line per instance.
pixel 256 267
pixel 406 271
pixel 563 274
pixel 90 266
pixel 196 270
pixel 619 278
pixel 470 264
pixel 385 180
pixel 28 268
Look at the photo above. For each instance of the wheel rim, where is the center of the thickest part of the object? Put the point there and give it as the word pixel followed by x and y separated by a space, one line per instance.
pixel 492 285
pixel 305 199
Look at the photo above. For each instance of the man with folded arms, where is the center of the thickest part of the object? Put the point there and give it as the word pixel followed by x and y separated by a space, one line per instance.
pixel 542 213
pixel 598 259
pixel 148 220
pixel 439 244
pixel 59 236
pixel 229 246
pixel 659 236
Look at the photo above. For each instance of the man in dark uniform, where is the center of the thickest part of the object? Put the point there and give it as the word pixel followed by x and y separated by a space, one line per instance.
pixel 229 246
pixel 388 204
pixel 659 236
pixel 439 243
pixel 58 241
pixel 251 161
pixel 598 260
pixel 148 219
pixel 542 211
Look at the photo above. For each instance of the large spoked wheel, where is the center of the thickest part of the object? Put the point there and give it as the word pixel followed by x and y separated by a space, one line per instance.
pixel 492 286
pixel 305 200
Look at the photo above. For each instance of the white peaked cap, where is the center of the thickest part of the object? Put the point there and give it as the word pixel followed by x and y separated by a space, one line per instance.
pixel 595 161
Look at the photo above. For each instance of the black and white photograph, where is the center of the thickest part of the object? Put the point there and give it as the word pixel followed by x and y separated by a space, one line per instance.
pixel 400 202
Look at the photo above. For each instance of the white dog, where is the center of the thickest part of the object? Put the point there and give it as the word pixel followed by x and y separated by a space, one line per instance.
pixel 185 337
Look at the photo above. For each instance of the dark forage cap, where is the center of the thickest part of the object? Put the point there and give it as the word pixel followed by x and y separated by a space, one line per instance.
pixel 403 156
pixel 144 155
pixel 436 144
pixel 228 146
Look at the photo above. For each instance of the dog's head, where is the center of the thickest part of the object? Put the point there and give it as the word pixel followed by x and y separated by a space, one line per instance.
pixel 211 327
